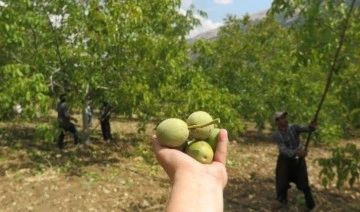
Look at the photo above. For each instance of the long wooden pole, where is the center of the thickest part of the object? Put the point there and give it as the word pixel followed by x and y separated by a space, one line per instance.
pixel 332 67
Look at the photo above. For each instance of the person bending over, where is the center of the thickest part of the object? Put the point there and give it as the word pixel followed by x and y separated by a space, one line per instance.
pixel 65 124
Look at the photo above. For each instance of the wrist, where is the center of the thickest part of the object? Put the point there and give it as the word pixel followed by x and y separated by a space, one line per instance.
pixel 197 178
pixel 311 128
pixel 195 191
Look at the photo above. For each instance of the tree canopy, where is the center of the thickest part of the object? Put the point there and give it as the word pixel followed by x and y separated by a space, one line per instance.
pixel 137 55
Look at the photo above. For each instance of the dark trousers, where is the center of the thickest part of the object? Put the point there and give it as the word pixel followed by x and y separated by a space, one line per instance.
pixel 106 130
pixel 292 170
pixel 67 128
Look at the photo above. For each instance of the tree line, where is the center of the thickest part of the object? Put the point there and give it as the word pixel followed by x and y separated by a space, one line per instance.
pixel 137 55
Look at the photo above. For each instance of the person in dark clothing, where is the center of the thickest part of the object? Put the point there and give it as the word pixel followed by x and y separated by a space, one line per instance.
pixel 65 124
pixel 104 118
pixel 291 164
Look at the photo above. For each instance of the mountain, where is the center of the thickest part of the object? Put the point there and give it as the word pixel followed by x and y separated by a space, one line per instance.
pixel 212 34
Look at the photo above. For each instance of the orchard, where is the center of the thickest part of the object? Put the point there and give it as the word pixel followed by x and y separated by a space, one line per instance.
pixel 136 55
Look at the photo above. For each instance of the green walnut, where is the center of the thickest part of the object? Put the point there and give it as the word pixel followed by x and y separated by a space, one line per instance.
pixel 183 147
pixel 213 139
pixel 172 132
pixel 200 118
pixel 200 151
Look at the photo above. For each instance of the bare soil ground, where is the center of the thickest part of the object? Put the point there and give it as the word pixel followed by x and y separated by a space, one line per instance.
pixel 124 176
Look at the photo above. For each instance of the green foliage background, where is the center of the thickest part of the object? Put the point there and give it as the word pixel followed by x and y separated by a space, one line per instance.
pixel 136 55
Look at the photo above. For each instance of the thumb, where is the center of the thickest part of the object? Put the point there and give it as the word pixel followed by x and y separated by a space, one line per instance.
pixel 221 148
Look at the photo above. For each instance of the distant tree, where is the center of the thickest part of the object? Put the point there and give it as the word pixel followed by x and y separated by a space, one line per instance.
pixel 133 53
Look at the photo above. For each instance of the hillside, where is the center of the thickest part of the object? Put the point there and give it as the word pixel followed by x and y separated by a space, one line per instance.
pixel 255 17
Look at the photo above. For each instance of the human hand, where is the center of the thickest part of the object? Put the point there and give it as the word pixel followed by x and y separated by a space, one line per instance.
pixel 301 153
pixel 313 124
pixel 179 165
pixel 73 119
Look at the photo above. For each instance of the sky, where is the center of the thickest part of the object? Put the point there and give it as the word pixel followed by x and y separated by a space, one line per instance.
pixel 218 9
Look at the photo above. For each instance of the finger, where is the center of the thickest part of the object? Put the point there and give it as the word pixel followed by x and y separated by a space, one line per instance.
pixel 163 157
pixel 155 144
pixel 221 148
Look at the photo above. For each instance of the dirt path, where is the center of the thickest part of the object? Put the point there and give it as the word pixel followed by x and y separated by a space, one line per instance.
pixel 124 176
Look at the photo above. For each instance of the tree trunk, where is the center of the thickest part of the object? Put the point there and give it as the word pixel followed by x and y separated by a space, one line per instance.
pixel 85 118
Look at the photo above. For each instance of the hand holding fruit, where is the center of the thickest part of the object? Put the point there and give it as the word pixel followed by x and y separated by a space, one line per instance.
pixel 197 136
pixel 179 165
pixel 196 167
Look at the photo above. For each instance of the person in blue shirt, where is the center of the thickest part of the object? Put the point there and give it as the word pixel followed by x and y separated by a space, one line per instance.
pixel 88 112
pixel 291 164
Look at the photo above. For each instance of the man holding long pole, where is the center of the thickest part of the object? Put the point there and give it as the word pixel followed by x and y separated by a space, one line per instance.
pixel 291 164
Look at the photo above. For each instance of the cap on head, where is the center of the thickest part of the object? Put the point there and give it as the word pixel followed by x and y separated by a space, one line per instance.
pixel 279 114
pixel 62 97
